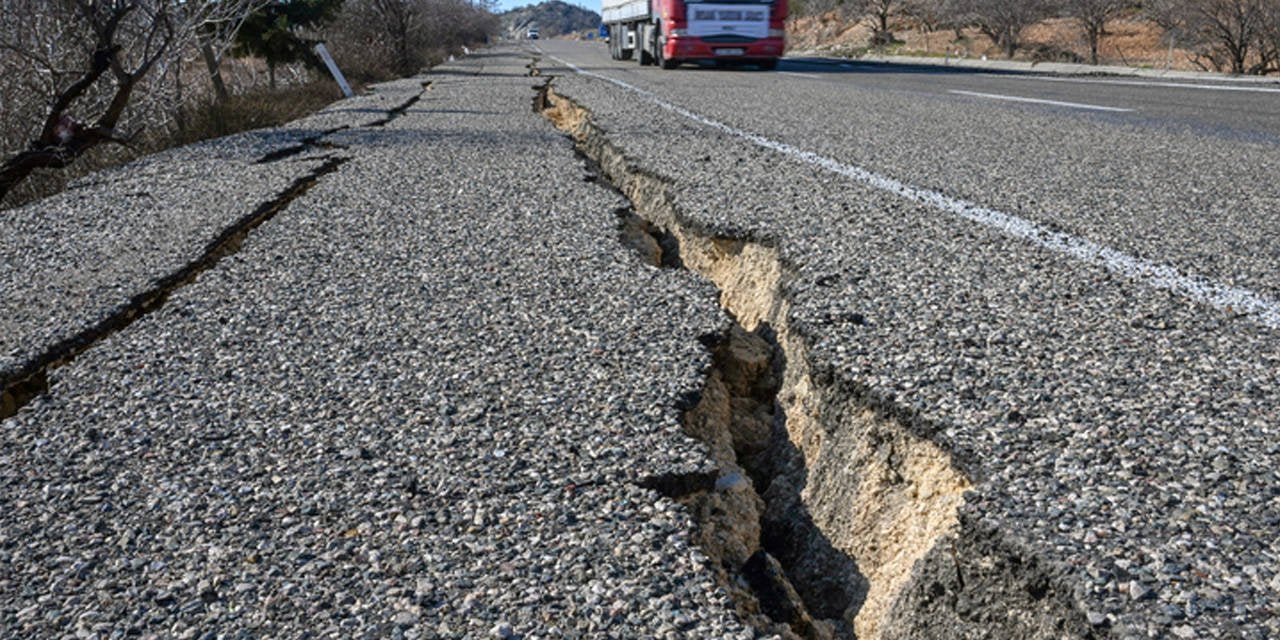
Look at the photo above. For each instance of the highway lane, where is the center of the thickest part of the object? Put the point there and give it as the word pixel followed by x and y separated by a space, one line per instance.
pixel 1212 107
pixel 1079 306
pixel 1194 189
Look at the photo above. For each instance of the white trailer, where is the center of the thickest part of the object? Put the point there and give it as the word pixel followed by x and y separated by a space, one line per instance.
pixel 631 24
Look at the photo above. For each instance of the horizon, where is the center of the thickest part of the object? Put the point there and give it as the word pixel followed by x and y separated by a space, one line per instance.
pixel 503 6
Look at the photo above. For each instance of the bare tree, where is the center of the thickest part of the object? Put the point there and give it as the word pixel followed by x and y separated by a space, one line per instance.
pixel 930 16
pixel 1269 42
pixel 1004 20
pixel 881 11
pixel 1229 35
pixel 1093 16
pixel 411 34
pixel 84 62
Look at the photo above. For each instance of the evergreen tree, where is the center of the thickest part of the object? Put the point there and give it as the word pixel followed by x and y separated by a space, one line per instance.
pixel 274 32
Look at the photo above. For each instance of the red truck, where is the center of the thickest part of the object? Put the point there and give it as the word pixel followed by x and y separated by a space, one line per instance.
pixel 670 32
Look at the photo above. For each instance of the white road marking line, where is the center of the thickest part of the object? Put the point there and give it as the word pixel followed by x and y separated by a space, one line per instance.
pixel 1056 103
pixel 1199 289
pixel 1139 83
pixel 802 75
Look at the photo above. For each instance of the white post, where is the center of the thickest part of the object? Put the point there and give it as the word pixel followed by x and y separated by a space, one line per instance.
pixel 333 69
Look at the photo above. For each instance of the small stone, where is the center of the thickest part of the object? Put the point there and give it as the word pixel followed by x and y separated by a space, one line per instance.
pixel 1184 631
pixel 1139 591
pixel 503 630
pixel 1096 618
pixel 405 619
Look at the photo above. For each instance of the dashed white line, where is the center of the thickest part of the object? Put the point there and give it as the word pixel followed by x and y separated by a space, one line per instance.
pixel 1199 289
pixel 802 75
pixel 1056 103
pixel 1140 83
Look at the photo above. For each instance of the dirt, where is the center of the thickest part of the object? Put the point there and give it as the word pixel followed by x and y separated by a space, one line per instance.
pixel 1130 41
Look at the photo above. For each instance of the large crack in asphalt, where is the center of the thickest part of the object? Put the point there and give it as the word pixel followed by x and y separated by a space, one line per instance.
pixel 21 386
pixel 822 503
pixel 32 379
pixel 403 108
pixel 308 143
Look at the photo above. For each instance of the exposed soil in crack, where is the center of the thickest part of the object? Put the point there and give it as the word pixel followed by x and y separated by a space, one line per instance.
pixel 823 504
pixel 24 384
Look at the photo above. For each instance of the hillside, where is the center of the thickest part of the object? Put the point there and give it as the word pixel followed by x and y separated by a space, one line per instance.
pixel 1130 41
pixel 552 18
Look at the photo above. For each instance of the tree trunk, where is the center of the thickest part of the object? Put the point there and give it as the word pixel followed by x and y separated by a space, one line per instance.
pixel 215 71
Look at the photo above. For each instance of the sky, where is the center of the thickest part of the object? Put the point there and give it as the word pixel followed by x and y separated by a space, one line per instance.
pixel 507 5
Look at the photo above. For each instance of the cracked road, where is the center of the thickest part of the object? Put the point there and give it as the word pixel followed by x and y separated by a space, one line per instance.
pixel 423 395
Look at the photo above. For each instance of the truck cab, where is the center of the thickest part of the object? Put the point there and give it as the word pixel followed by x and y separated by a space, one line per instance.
pixel 670 32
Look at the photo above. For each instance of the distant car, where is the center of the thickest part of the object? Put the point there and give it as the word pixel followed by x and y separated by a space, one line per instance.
pixel 532 34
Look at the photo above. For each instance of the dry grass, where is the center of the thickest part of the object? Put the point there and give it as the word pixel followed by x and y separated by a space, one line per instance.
pixel 254 110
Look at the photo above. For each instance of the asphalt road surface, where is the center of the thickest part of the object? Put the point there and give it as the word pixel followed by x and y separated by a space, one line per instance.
pixel 1069 282
pixel 388 371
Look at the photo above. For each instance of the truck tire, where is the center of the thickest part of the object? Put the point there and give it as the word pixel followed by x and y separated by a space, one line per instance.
pixel 646 43
pixel 658 44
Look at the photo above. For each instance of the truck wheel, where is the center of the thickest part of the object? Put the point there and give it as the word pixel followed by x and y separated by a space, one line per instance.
pixel 659 43
pixel 647 43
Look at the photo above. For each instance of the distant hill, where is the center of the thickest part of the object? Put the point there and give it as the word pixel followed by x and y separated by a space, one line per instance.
pixel 552 18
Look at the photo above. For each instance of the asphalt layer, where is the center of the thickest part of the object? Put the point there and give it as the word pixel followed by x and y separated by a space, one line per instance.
pixel 418 402
pixel 1122 432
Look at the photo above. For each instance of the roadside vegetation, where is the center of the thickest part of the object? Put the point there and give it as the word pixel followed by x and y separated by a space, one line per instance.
pixel 86 84
pixel 1230 36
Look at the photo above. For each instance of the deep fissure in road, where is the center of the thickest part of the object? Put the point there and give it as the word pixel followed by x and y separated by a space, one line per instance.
pixel 822 504
pixel 24 384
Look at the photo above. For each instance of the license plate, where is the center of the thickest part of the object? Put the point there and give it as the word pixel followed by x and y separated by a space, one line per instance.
pixel 730 52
